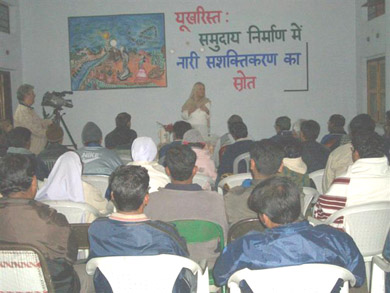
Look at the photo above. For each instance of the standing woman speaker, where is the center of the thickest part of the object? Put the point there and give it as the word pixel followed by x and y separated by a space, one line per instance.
pixel 196 110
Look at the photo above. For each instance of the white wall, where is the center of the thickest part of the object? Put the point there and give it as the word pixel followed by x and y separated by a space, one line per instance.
pixel 328 27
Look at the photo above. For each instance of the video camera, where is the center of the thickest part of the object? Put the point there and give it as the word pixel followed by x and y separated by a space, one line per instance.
pixel 56 100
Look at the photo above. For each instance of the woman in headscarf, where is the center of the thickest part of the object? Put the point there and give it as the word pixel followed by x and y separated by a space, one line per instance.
pixel 204 162
pixel 196 110
pixel 64 183
pixel 144 152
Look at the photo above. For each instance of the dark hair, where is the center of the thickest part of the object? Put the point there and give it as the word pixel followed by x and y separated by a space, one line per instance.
pixel 337 120
pixel 267 155
pixel 361 122
pixel 310 129
pixel 283 122
pixel 122 119
pixel 19 137
pixel 292 148
pixel 369 144
pixel 233 119
pixel 129 184
pixel 181 127
pixel 180 161
pixel 238 130
pixel 16 173
pixel 278 198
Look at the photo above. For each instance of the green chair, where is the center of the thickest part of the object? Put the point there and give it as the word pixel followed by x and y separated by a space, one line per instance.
pixel 198 231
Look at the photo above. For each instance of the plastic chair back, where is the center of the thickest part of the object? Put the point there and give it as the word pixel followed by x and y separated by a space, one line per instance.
pixel 206 182
pixel 233 181
pixel 23 269
pixel 152 273
pixel 98 181
pixel 243 157
pixel 311 195
pixel 316 176
pixel 242 227
pixel 75 212
pixel 306 278
pixel 380 267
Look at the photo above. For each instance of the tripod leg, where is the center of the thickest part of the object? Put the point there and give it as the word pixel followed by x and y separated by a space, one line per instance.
pixel 67 131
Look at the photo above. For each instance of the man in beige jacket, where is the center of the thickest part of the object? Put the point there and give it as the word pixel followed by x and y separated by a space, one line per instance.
pixel 25 116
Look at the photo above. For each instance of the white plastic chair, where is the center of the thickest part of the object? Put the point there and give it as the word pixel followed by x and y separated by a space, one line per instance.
pixel 26 270
pixel 152 273
pixel 98 181
pixel 244 156
pixel 380 267
pixel 368 225
pixel 206 182
pixel 306 278
pixel 310 196
pixel 233 181
pixel 75 212
pixel 316 176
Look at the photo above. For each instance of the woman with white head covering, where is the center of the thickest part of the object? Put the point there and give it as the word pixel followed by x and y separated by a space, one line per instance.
pixel 144 152
pixel 64 183
pixel 196 110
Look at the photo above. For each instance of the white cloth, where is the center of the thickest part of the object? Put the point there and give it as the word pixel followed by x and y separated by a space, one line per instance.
pixel 64 182
pixel 199 120
pixel 157 175
pixel 295 164
pixel 26 117
pixel 143 149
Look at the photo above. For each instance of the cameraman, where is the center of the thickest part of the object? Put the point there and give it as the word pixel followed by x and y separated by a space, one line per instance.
pixel 25 116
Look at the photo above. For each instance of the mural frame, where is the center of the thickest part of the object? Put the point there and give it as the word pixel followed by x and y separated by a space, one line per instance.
pixel 117 51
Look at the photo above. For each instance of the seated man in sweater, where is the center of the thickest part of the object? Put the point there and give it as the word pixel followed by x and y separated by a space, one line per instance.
pixel 366 180
pixel 122 136
pixel 287 241
pixel 26 221
pixel 129 231
pixel 336 131
pixel 97 160
pixel 184 200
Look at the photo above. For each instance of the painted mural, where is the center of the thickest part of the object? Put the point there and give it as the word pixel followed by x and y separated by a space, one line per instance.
pixel 117 51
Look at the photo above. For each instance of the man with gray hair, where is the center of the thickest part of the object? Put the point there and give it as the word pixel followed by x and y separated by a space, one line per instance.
pixel 25 116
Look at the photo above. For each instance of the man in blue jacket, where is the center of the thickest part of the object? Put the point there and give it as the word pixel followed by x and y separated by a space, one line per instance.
pixel 288 241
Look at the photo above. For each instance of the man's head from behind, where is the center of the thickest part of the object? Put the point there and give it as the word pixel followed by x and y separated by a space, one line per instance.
pixel 17 176
pixel 310 130
pixel 180 162
pixel 123 120
pixel 91 134
pixel 179 128
pixel 282 123
pixel 361 122
pixel 54 133
pixel 266 158
pixel 129 188
pixel 233 119
pixel 276 200
pixel 238 130
pixel 367 144
pixel 336 123
pixel 19 137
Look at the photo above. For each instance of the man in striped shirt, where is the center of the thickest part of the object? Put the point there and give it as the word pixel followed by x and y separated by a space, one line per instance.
pixel 366 180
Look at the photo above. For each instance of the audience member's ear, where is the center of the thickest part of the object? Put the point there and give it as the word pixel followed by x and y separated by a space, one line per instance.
pixel 112 196
pixel 146 199
pixel 34 186
pixel 355 155
pixel 252 165
pixel 194 170
pixel 281 168
pixel 168 171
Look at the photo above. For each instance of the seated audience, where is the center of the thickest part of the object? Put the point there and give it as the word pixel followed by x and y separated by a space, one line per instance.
pixel 144 153
pixel 266 160
pixel 205 164
pixel 341 158
pixel 179 128
pixel 129 231
pixel 366 180
pixel 287 241
pixel 54 147
pixel 225 139
pixel 64 183
pixel 26 221
pixel 19 140
pixel 314 154
pixel 336 132
pixel 283 133
pixel 184 200
pixel 293 165
pixel 97 160
pixel 122 136
pixel 241 145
